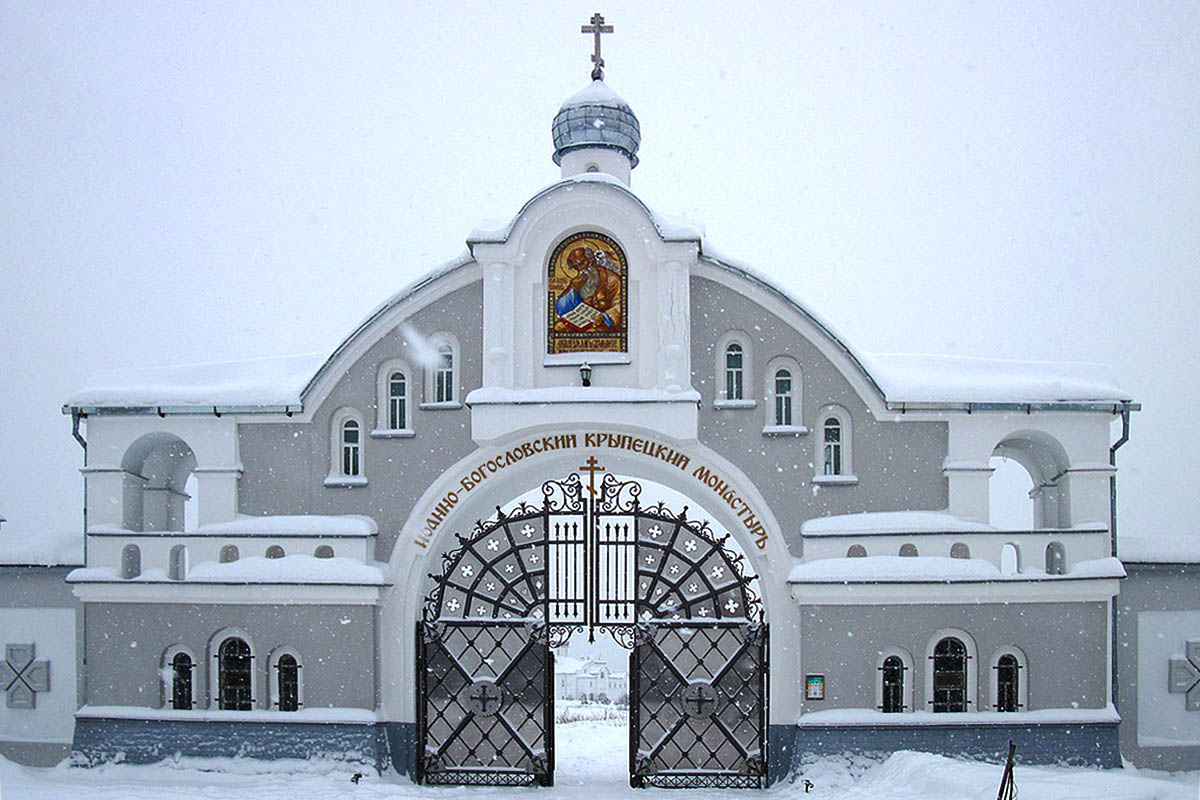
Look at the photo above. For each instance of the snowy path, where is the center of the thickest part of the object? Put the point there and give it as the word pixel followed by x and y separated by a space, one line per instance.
pixel 591 766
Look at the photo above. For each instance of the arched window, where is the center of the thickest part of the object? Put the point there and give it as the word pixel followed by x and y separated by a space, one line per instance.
pixel 831 436
pixel 960 550
pixel 1056 559
pixel 351 448
pixel 131 561
pixel 397 411
pixel 909 550
pixel 285 689
pixel 892 677
pixel 229 554
pixel 274 551
pixel 734 372
pixel 950 676
pixel 856 551
pixel 323 551
pixel 783 397
pixel 157 469
pixel 444 375
pixel 181 681
pixel 1010 559
pixel 177 563
pixel 1007 682
pixel 235 675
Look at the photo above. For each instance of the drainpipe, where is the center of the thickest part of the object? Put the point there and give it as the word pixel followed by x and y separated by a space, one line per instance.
pixel 81 686
pixel 76 416
pixel 1124 410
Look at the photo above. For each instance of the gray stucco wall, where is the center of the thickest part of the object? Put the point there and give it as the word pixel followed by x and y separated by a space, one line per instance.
pixel 125 645
pixel 286 464
pixel 1153 588
pixel 899 465
pixel 1063 642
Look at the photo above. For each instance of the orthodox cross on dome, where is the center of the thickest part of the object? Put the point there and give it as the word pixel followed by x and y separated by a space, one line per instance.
pixel 21 678
pixel 591 468
pixel 597 27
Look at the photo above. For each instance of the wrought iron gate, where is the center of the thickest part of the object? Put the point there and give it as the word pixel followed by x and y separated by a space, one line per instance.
pixel 591 558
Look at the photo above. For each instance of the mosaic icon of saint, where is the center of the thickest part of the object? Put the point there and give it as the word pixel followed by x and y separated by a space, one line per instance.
pixel 592 300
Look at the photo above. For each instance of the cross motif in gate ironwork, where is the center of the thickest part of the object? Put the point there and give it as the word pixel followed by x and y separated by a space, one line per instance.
pixel 21 678
pixel 1183 675
pixel 591 468
pixel 485 697
pixel 699 699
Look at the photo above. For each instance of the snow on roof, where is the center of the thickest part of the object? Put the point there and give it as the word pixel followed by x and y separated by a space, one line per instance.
pixel 595 93
pixel 933 569
pixel 274 381
pixel 43 548
pixel 256 569
pixel 1159 549
pixel 278 525
pixel 884 522
pixel 917 378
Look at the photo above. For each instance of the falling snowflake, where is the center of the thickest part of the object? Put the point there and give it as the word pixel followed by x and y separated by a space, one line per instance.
pixel 467 570
pixel 528 531
pixel 656 531
pixel 718 571
pixel 690 545
pixel 493 545
pixel 731 605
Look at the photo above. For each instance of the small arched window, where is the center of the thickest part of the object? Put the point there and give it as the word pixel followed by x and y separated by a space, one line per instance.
pixel 229 554
pixel 274 551
pixel 831 436
pixel 177 563
pixel 287 681
pixel 323 551
pixel 1008 682
pixel 181 681
pixel 960 550
pixel 1010 559
pixel 443 390
pixel 891 674
pixel 783 397
pixel 734 372
pixel 235 675
pixel 949 676
pixel 909 550
pixel 131 561
pixel 351 448
pixel 1056 559
pixel 856 551
pixel 397 398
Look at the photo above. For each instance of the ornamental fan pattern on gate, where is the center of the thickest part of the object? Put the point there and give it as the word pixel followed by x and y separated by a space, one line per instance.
pixel 583 560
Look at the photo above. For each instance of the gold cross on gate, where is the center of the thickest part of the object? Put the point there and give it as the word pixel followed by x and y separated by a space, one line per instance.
pixel 597 27
pixel 591 468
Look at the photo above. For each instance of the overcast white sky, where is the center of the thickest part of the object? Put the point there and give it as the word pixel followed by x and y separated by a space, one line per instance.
pixel 205 181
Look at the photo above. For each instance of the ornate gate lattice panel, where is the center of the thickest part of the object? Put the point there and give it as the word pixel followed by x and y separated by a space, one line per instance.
pixel 698 704
pixel 486 715
pixel 591 557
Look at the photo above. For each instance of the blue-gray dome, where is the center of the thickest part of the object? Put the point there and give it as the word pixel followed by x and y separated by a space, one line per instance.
pixel 596 117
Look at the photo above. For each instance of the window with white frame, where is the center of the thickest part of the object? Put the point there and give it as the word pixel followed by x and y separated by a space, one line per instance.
pixel 894 689
pixel 733 371
pixel 783 394
pixel 1010 691
pixel 287 687
pixel 235 675
pixel 834 456
pixel 393 400
pixel 444 375
pixel 950 678
pixel 178 672
pixel 347 465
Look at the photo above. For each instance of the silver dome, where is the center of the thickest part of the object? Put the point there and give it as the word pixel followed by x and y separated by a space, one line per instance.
pixel 596 117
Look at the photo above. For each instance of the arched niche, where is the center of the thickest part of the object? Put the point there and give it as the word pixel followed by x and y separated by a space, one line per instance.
pixel 1045 460
pixel 156 468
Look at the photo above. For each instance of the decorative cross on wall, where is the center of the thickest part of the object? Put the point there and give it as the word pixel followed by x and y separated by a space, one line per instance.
pixel 1183 676
pixel 21 677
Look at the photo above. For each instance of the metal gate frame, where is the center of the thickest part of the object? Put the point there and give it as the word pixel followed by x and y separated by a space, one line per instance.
pixel 589 557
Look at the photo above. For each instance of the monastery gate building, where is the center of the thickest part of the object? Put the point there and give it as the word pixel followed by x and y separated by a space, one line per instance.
pixel 623 435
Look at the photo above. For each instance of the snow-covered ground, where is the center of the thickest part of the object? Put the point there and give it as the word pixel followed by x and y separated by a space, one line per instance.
pixel 591 766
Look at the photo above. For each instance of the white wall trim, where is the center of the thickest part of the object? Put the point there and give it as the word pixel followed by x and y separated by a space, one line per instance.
pixel 910 677
pixel 383 426
pixel 972 693
pixel 846 475
pixel 167 675
pixel 721 396
pixel 1022 677
pixel 213 671
pixel 273 675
